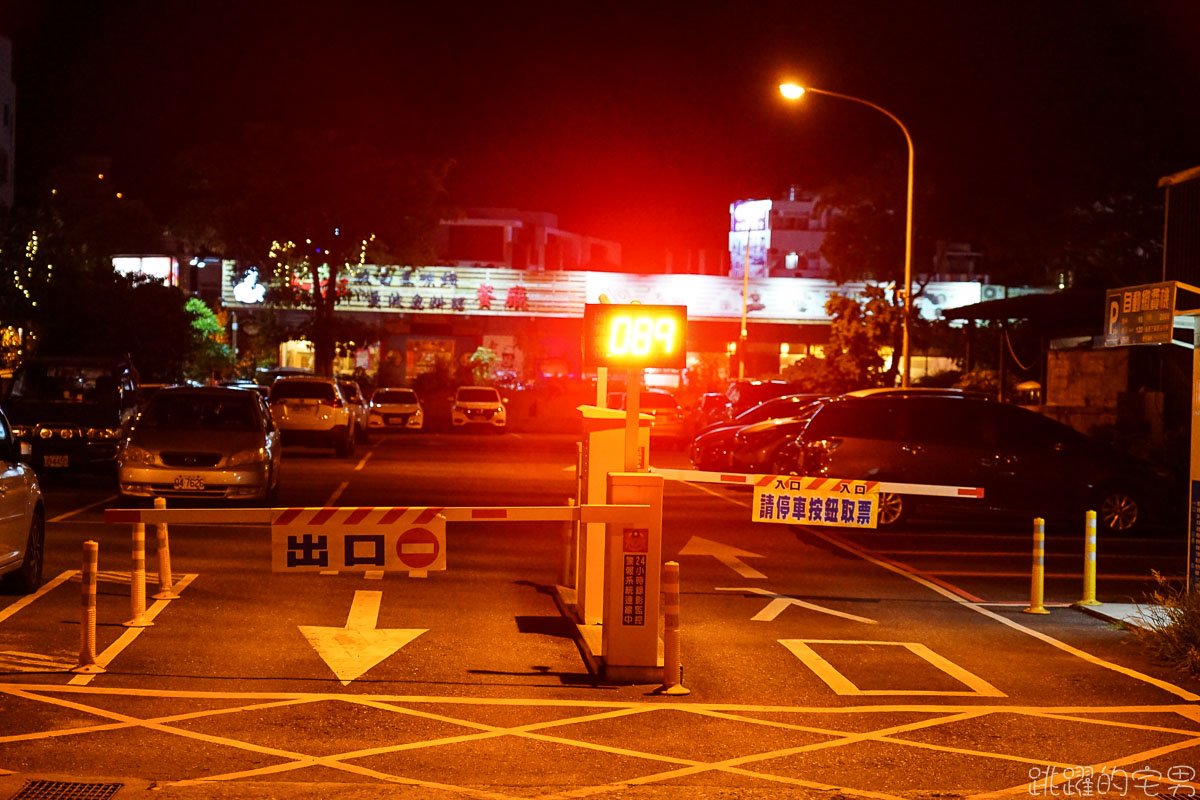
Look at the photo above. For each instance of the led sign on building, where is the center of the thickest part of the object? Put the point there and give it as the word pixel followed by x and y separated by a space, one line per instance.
pixel 634 336
pixel 494 292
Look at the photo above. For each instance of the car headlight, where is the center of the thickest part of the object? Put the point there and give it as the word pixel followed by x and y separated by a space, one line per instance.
pixel 137 455
pixel 254 455
pixel 22 431
pixel 418 413
pixel 103 433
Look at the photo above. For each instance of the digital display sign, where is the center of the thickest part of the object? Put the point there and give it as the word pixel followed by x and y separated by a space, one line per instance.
pixel 634 336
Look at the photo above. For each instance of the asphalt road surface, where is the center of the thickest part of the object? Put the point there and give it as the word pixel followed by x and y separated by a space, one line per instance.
pixel 821 662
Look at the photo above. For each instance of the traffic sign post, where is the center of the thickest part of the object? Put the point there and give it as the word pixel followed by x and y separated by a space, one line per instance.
pixel 1146 314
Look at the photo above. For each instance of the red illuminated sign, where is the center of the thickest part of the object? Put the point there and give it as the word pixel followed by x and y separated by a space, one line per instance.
pixel 634 336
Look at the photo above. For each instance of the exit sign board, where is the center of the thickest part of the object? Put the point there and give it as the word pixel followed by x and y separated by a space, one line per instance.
pixel 634 336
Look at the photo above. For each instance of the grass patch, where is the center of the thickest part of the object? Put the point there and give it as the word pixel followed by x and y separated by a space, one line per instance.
pixel 1169 625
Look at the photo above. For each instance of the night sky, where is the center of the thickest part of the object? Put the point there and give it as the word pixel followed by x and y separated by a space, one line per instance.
pixel 637 122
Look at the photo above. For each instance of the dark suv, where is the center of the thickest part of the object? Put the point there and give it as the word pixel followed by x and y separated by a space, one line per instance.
pixel 72 413
pixel 1025 462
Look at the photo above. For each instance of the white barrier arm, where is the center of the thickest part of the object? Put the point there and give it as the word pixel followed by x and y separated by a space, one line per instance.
pixel 741 479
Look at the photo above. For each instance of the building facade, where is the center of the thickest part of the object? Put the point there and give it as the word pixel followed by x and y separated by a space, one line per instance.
pixel 525 240
pixel 778 238
pixel 8 122
pixel 533 319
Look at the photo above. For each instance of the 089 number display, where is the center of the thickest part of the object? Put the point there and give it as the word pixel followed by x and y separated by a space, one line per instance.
pixel 635 336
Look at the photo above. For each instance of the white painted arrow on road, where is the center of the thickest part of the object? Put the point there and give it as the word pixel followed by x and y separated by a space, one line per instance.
pixel 781 601
pixel 354 649
pixel 728 555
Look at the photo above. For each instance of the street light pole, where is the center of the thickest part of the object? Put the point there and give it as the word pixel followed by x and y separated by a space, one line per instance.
pixel 793 91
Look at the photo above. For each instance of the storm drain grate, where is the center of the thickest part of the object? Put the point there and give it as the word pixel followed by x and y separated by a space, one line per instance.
pixel 66 790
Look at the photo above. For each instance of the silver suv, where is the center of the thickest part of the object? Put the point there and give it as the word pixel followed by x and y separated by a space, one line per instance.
pixel 313 412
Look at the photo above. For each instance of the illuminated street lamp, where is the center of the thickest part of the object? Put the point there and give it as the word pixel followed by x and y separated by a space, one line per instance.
pixel 793 91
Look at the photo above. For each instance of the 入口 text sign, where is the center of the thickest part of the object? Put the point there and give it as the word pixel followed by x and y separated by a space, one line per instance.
pixel 815 501
pixel 357 539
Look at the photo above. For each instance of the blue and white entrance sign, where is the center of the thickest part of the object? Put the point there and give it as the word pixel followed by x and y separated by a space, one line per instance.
pixel 357 539
pixel 795 500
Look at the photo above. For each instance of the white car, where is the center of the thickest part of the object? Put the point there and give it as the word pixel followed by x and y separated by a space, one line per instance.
pixel 480 406
pixel 22 518
pixel 360 409
pixel 396 409
pixel 313 412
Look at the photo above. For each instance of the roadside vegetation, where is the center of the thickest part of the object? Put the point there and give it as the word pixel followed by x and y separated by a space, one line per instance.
pixel 1168 625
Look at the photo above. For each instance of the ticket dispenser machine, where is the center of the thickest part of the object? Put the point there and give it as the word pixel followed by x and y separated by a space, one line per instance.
pixel 602 452
pixel 631 647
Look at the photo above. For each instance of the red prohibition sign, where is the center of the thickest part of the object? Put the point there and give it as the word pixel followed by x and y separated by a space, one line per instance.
pixel 417 548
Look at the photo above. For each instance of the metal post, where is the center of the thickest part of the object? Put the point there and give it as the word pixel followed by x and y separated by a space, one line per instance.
pixel 1036 591
pixel 137 580
pixel 1089 561
pixel 165 592
pixel 87 638
pixel 633 401
pixel 672 666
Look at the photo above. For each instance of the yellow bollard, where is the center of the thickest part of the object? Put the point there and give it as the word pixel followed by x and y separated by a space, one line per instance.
pixel 672 668
pixel 1089 562
pixel 568 559
pixel 165 591
pixel 137 580
pixel 87 638
pixel 1039 568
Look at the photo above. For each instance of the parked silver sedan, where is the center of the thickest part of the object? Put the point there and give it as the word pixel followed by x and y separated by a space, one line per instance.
pixel 202 442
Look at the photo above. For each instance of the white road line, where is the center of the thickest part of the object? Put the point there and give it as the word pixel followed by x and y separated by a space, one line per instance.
pixel 362 462
pixel 332 501
pixel 69 514
pixel 13 608
pixel 126 638
pixel 976 607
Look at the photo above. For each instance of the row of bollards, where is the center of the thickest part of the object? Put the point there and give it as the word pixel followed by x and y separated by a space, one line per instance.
pixel 137 588
pixel 1037 583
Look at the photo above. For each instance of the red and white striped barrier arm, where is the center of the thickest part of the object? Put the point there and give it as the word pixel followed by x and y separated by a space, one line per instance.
pixel 377 515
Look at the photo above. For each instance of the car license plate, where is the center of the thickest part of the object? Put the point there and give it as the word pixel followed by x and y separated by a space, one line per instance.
pixel 190 483
pixel 55 461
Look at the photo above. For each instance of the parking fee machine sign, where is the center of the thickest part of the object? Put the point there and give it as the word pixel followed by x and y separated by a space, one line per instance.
pixel 358 539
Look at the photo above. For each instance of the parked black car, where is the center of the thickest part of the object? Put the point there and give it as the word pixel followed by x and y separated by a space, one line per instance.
pixel 72 413
pixel 1026 463
pixel 744 394
pixel 711 448
pixel 756 448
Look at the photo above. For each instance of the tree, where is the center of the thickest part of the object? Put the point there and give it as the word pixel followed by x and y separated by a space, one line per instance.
pixel 308 209
pixel 865 242
pixel 210 353
pixel 482 361
pixel 862 327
